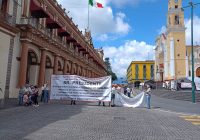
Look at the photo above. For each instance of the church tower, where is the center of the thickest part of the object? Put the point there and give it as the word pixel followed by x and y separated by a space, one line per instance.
pixel 175 43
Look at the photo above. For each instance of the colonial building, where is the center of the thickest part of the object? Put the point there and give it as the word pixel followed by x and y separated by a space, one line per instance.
pixel 196 50
pixel 38 39
pixel 140 71
pixel 170 47
pixel 172 57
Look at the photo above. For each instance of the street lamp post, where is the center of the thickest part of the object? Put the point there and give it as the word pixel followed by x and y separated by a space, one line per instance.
pixel 191 4
pixel 192 51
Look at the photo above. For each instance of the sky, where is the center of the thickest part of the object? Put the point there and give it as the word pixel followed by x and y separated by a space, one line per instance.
pixel 127 29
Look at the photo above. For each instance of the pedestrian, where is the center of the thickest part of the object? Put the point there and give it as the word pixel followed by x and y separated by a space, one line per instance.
pixel 148 97
pixel 128 92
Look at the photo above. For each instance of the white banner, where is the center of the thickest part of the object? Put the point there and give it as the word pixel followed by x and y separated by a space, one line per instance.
pixel 186 85
pixel 67 87
pixel 123 100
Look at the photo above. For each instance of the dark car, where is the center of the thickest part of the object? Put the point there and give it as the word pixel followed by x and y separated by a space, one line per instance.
pixel 151 83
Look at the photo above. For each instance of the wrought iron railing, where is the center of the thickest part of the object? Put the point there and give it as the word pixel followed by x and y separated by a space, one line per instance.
pixel 35 24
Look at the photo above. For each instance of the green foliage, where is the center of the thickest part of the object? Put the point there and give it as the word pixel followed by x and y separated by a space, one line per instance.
pixel 109 69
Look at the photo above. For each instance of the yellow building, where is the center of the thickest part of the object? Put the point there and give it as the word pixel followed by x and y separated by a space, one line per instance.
pixel 140 71
pixel 171 59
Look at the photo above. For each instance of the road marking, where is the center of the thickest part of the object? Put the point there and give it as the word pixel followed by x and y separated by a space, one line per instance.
pixel 192 118
pixel 177 113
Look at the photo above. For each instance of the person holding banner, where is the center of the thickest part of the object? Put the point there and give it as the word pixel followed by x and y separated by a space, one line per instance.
pixel 113 97
pixel 45 89
pixel 148 96
pixel 73 102
pixel 100 103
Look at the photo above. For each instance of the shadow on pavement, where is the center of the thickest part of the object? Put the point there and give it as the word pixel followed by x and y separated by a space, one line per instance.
pixel 18 122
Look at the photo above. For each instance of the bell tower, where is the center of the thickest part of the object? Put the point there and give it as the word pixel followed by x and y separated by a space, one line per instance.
pixel 176 40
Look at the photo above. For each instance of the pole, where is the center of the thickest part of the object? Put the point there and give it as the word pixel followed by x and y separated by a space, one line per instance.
pixel 192 52
pixel 88 16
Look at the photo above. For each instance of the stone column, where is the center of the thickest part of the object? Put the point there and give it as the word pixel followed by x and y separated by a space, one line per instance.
pixel 65 67
pixel 55 67
pixel 25 6
pixel 23 65
pixel 42 68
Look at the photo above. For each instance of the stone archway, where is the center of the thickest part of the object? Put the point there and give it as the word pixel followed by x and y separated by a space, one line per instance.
pixel 32 68
pixel 198 72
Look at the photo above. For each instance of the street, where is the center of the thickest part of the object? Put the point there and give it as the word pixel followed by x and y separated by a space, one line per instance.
pixel 87 121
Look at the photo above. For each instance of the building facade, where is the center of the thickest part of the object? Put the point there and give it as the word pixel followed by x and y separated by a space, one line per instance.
pixel 172 56
pixel 196 50
pixel 172 43
pixel 140 71
pixel 38 39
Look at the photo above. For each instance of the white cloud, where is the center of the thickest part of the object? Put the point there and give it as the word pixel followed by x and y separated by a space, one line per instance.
pixel 121 57
pixel 196 31
pixel 102 20
pixel 121 26
pixel 102 37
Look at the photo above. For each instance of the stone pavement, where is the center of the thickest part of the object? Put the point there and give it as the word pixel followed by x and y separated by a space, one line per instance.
pixel 184 107
pixel 59 121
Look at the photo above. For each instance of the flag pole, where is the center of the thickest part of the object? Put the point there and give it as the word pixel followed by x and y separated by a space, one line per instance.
pixel 88 15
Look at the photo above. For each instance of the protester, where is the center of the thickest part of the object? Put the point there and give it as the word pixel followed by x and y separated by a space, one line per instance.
pixel 100 103
pixel 113 96
pixel 73 102
pixel 148 96
pixel 45 89
pixel 21 94
pixel 42 94
pixel 36 93
pixel 26 99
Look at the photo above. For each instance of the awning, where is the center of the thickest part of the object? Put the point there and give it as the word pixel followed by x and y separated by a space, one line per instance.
pixel 39 14
pixel 37 11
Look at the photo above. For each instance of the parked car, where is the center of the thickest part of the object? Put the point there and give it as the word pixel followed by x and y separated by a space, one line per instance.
pixel 151 83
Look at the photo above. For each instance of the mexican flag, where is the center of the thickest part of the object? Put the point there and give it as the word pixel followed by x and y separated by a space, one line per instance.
pixel 96 4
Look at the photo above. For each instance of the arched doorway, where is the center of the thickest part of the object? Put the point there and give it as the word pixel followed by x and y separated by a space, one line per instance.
pixel 32 68
pixel 198 72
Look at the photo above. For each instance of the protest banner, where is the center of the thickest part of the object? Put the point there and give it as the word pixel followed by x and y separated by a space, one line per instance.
pixel 68 87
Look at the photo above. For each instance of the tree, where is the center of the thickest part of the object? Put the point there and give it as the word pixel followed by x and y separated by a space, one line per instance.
pixel 109 69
